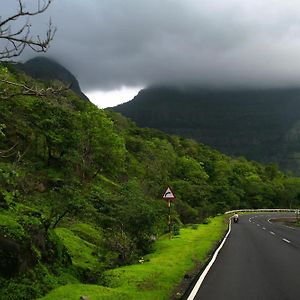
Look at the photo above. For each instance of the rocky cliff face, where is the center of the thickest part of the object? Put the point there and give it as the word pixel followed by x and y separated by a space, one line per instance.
pixel 262 125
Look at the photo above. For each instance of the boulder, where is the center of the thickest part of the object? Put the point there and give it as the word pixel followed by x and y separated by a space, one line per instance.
pixel 10 257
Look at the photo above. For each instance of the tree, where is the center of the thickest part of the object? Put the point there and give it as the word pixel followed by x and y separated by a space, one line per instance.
pixel 15 31
pixel 100 149
pixel 61 202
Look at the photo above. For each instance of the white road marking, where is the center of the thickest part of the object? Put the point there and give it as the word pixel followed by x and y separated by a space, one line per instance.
pixel 272 232
pixel 257 225
pixel 206 270
pixel 289 227
pixel 264 228
pixel 287 241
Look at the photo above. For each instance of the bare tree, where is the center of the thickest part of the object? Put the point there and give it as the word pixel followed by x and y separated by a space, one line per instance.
pixel 16 35
pixel 27 90
pixel 8 152
pixel 15 30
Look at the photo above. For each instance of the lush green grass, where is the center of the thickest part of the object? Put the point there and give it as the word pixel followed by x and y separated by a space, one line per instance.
pixel 79 249
pixel 162 270
pixel 87 232
pixel 74 291
pixel 10 228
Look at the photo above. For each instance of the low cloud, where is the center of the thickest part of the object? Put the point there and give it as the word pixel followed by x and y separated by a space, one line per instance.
pixel 112 43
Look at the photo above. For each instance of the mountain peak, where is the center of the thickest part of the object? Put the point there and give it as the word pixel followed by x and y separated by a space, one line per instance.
pixel 47 69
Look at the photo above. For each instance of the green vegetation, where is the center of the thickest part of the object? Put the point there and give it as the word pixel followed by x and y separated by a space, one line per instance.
pixel 160 272
pixel 80 197
pixel 79 249
pixel 259 124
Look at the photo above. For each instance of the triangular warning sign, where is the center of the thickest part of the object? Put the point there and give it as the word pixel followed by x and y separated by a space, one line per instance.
pixel 168 194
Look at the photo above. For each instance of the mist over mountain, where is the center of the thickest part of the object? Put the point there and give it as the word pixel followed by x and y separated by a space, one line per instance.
pixel 46 69
pixel 260 124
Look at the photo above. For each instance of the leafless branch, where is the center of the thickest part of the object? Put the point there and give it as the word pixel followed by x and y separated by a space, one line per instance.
pixel 8 152
pixel 18 37
pixel 26 90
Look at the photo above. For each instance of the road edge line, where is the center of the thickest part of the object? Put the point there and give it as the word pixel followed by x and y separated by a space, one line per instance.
pixel 206 270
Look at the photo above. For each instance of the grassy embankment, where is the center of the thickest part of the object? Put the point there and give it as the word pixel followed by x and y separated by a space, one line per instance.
pixel 161 272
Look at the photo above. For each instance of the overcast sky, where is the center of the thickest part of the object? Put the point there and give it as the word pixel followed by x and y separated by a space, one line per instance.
pixel 115 44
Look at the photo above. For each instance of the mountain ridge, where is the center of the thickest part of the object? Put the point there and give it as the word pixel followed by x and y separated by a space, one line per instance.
pixel 47 69
pixel 261 124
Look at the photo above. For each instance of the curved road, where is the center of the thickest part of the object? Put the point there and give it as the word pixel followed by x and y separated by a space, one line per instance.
pixel 259 261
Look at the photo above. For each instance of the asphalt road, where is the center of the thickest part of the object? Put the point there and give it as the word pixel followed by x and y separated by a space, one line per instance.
pixel 259 261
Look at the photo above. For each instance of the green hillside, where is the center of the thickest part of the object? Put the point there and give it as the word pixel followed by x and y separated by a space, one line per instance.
pixel 259 124
pixel 80 189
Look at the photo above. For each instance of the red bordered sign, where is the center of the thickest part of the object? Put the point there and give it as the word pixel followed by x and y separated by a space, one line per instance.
pixel 168 194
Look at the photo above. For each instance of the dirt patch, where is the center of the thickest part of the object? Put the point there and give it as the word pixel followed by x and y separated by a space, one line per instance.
pixel 289 221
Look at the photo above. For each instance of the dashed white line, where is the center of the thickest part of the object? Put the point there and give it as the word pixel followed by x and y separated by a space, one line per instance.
pixel 287 241
pixel 289 227
pixel 257 224
pixel 264 228
pixel 273 233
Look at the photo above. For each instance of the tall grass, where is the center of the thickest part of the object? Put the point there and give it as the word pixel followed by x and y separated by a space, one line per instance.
pixel 161 271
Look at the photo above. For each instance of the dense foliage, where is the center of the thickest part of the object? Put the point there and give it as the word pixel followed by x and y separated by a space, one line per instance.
pixel 80 188
pixel 259 124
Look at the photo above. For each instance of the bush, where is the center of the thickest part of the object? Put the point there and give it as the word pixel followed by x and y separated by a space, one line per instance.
pixel 206 221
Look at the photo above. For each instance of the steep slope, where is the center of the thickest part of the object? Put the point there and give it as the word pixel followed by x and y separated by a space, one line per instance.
pixel 46 69
pixel 80 188
pixel 262 125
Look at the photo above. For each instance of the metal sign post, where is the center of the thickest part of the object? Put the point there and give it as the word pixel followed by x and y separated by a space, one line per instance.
pixel 169 219
pixel 169 196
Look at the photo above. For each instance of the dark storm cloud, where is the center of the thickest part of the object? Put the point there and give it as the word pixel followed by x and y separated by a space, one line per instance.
pixel 110 43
